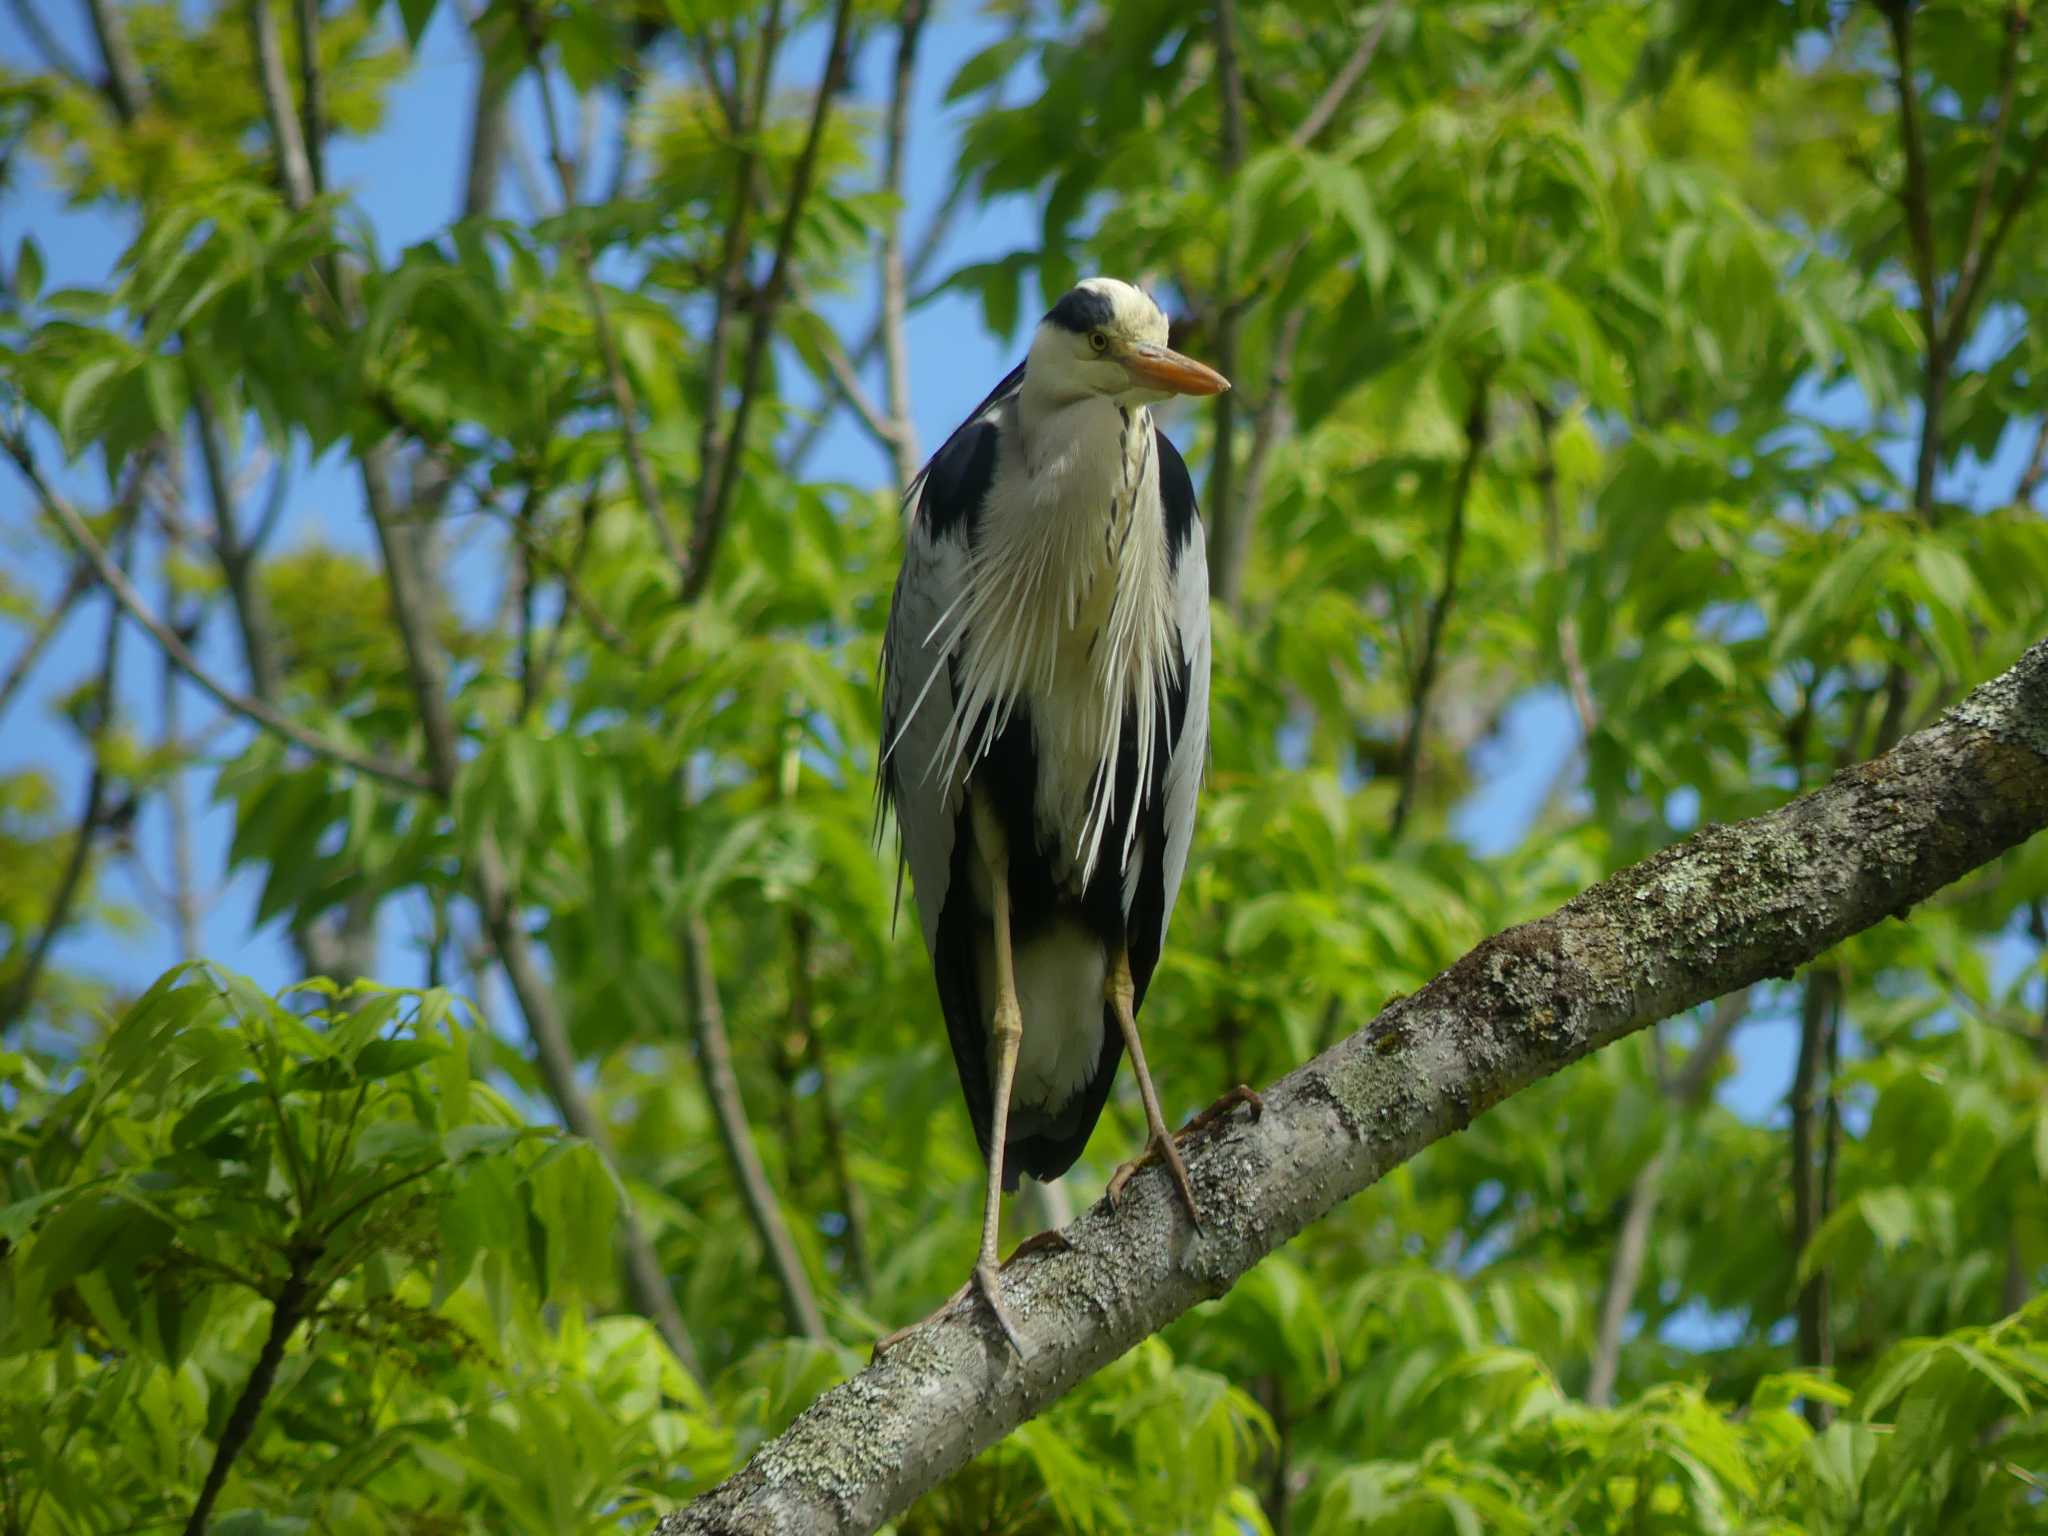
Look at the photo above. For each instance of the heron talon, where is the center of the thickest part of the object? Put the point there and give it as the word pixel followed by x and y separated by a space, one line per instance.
pixel 1161 1148
pixel 989 1283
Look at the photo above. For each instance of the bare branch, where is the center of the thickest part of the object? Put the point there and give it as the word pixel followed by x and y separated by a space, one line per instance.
pixel 623 403
pixel 895 301
pixel 131 601
pixel 883 428
pixel 2037 467
pixel 1270 423
pixel 743 115
pixel 292 162
pixel 1440 607
pixel 1971 285
pixel 1726 908
pixel 76 585
pixel 1987 173
pixel 801 1023
pixel 20 992
pixel 1349 73
pixel 1221 491
pixel 1819 1024
pixel 287 1310
pixel 1577 682
pixel 126 87
pixel 1914 200
pixel 722 1088
pixel 312 91
pixel 714 501
pixel 55 56
pixel 1631 1246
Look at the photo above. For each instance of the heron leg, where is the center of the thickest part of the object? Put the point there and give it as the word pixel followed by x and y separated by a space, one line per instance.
pixel 1121 995
pixel 1008 1028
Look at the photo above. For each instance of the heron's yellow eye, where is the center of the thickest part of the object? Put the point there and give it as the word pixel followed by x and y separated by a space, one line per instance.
pixel 1098 341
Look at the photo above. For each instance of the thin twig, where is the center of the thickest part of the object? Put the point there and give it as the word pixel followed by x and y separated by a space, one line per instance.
pixel 722 1088
pixel 1809 1205
pixel 1269 425
pixel 743 115
pixel 715 502
pixel 1225 509
pixel 881 426
pixel 1971 285
pixel 2037 467
pixel 292 163
pixel 56 58
pixel 20 991
pixel 1914 199
pixel 1440 608
pixel 287 1310
pixel 1684 1094
pixel 1987 173
pixel 127 88
pixel 184 890
pixel 75 586
pixel 895 300
pixel 1577 682
pixel 1349 73
pixel 623 403
pixel 253 710
pixel 312 92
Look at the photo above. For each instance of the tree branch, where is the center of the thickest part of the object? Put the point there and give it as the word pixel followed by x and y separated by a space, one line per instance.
pixel 287 1309
pixel 1632 1246
pixel 76 585
pixel 715 497
pixel 132 603
pixel 1440 609
pixel 1819 1024
pixel 126 86
pixel 744 109
pixel 1728 907
pixel 1569 652
pixel 312 91
pixel 292 162
pixel 16 996
pixel 1349 73
pixel 1226 507
pixel 722 1088
pixel 55 56
pixel 895 299
pixel 1269 425
pixel 628 409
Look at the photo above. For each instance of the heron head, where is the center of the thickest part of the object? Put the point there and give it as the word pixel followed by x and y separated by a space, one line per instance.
pixel 1105 337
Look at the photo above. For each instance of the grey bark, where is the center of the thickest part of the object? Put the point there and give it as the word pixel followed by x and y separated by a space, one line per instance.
pixel 722 1087
pixel 1724 909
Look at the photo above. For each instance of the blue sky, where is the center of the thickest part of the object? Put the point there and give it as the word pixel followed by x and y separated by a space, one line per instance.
pixel 408 196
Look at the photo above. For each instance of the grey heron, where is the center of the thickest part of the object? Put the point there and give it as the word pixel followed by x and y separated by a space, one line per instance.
pixel 1045 721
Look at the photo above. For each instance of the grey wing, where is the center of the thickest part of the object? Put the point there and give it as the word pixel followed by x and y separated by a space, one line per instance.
pixel 1190 752
pixel 917 705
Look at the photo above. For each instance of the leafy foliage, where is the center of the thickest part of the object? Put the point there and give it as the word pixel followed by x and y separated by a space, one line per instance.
pixel 1637 420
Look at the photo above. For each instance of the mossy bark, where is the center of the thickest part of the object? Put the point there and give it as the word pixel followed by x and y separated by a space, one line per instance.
pixel 1728 907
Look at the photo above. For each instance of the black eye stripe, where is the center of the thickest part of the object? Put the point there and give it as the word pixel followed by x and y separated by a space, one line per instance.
pixel 1081 310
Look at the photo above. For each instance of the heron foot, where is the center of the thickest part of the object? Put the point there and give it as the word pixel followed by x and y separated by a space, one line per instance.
pixel 989 1281
pixel 1162 1149
pixel 1220 1110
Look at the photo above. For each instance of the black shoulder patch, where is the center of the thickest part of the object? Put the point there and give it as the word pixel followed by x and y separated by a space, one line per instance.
pixel 957 479
pixel 1080 310
pixel 1176 499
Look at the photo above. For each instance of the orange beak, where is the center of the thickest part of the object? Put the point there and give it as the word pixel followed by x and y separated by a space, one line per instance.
pixel 1163 368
